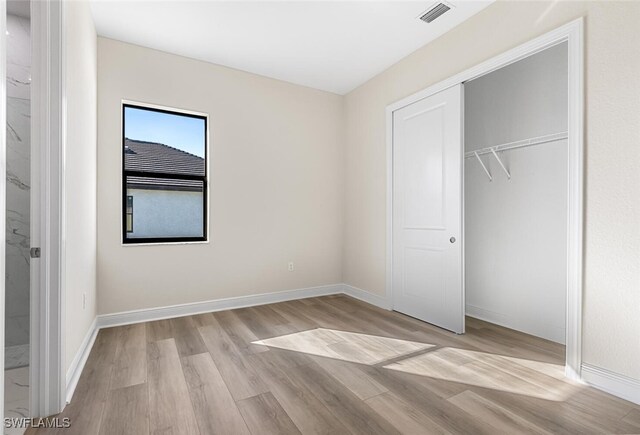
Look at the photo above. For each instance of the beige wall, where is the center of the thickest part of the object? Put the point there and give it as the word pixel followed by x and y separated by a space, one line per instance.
pixel 612 213
pixel 276 183
pixel 80 173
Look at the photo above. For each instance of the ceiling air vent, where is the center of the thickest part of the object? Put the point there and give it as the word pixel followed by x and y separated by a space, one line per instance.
pixel 434 12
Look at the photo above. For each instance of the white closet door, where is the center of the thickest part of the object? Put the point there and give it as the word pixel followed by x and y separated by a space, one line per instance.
pixel 427 211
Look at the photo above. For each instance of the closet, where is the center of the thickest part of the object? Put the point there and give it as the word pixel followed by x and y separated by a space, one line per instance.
pixel 515 195
pixel 479 223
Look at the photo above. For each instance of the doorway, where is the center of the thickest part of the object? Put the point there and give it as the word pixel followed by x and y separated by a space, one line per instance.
pixel 515 195
pixel 36 126
pixel 498 156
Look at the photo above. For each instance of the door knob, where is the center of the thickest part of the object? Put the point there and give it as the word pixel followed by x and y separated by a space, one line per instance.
pixel 452 239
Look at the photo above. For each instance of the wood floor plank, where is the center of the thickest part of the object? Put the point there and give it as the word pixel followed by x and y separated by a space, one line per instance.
pixel 182 329
pixel 596 421
pixel 302 406
pixel 268 315
pixel 238 332
pixel 322 318
pixel 552 416
pixel 131 356
pixel 441 388
pixel 204 319
pixel 416 393
pixel 397 325
pixel 382 318
pixel 404 417
pixel 86 409
pixel 596 401
pixel 294 317
pixel 170 409
pixel 214 407
pixel 350 375
pixel 127 411
pixel 238 375
pixel 502 419
pixel 352 412
pixel 285 358
pixel 188 340
pixel 263 321
pixel 520 345
pixel 519 339
pixel 633 417
pixel 264 415
pixel 439 364
pixel 339 308
pixel 159 330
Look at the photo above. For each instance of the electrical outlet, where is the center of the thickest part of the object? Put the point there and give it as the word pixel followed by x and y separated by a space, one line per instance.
pixel 84 301
pixel 291 266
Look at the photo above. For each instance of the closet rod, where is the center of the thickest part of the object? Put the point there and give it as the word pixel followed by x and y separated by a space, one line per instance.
pixel 518 144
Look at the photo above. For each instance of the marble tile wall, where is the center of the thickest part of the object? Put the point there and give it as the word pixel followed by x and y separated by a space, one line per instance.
pixel 16 393
pixel 18 180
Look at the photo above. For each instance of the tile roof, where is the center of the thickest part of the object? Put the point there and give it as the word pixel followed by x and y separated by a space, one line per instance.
pixel 156 157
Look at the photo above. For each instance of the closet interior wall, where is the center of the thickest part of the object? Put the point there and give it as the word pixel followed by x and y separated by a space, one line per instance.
pixel 516 229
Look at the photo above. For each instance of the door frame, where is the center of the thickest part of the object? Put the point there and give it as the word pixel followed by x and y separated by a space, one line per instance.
pixel 48 134
pixel 572 33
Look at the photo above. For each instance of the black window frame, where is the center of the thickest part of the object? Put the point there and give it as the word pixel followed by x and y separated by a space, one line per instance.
pixel 126 173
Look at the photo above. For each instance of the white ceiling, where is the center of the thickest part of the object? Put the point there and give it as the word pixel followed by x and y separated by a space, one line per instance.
pixel 330 45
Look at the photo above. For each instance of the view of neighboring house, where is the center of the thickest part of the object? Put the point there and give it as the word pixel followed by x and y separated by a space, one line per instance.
pixel 163 207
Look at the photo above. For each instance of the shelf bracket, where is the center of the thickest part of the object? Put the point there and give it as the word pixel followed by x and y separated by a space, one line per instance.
pixel 486 171
pixel 501 164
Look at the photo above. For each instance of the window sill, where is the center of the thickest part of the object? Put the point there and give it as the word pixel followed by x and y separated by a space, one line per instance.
pixel 197 242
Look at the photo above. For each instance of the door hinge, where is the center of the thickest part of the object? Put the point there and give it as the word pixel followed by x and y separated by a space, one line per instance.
pixel 34 252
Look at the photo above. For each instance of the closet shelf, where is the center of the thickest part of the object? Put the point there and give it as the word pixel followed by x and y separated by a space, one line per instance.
pixel 510 146
pixel 519 144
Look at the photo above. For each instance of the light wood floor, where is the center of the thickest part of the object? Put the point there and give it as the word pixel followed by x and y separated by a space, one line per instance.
pixel 331 365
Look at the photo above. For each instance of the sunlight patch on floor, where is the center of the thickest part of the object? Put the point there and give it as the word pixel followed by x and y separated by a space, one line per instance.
pixel 345 346
pixel 497 372
pixel 481 369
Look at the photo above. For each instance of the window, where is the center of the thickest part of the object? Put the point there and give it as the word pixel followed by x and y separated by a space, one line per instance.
pixel 164 164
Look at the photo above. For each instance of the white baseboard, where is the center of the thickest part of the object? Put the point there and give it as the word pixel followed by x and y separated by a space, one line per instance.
pixel 149 314
pixel 573 375
pixel 612 383
pixel 75 370
pixel 547 332
pixel 365 296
